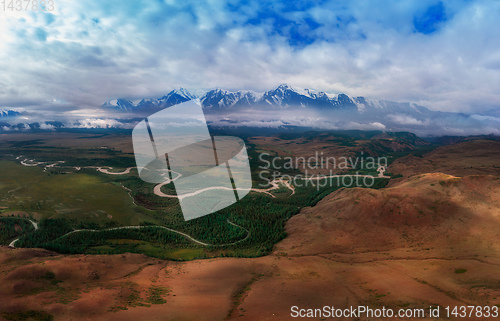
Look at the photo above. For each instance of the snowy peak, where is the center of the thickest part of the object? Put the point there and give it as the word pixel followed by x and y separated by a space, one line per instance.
pixel 222 99
pixel 180 95
pixel 282 97
pixel 283 90
pixel 121 104
pixel 286 96
pixel 183 92
pixel 389 106
pixel 174 97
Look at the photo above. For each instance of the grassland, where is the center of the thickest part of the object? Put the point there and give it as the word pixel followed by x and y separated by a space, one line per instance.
pixel 417 244
pixel 75 196
pixel 78 196
pixel 427 240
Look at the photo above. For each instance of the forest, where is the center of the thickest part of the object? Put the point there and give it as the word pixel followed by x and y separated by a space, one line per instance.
pixel 151 225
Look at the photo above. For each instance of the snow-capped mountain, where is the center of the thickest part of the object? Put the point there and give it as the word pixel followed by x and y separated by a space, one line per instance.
pixel 284 96
pixel 366 105
pixel 4 113
pixel 172 98
pixel 222 99
pixel 289 106
pixel 121 104
pixel 284 107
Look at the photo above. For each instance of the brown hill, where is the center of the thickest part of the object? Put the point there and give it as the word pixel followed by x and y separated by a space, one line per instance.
pixel 435 210
pixel 428 240
pixel 326 145
pixel 476 157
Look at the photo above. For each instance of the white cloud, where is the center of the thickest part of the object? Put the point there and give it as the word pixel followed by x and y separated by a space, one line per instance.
pixel 99 123
pixel 91 51
pixel 407 120
pixel 47 126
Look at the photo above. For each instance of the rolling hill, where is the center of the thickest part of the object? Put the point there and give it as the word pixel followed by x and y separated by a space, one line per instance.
pixel 428 240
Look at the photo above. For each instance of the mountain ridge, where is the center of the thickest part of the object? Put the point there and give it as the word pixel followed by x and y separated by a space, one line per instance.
pixel 282 97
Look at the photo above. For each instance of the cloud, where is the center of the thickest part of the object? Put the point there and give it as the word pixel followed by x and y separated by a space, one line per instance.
pixel 46 126
pixel 440 54
pixel 99 123
pixel 428 124
pixel 407 120
pixel 365 126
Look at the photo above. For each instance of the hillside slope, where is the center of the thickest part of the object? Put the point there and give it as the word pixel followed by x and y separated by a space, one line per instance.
pixel 428 240
pixel 476 157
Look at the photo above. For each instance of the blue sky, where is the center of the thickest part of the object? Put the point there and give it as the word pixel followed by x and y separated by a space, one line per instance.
pixel 444 55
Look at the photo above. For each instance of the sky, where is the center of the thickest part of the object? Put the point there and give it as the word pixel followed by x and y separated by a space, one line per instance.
pixel 444 55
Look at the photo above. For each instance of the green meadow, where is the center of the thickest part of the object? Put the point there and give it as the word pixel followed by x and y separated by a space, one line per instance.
pixel 77 196
pixel 62 199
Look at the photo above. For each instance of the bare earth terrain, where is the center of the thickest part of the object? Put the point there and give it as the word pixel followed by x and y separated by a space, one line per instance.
pixel 431 239
pixel 477 157
pixel 331 146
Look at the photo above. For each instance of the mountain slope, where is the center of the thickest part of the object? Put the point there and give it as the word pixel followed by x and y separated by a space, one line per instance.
pixel 286 107
pixel 475 157
pixel 284 96
pixel 429 212
pixel 418 244
pixel 172 98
